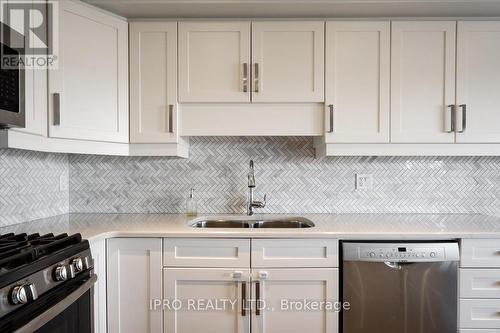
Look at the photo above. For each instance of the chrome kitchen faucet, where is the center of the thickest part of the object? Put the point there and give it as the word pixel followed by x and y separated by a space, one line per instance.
pixel 251 186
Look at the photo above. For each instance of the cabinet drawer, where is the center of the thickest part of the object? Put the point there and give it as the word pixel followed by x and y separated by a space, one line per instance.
pixel 480 313
pixel 480 253
pixel 480 283
pixel 213 252
pixel 294 253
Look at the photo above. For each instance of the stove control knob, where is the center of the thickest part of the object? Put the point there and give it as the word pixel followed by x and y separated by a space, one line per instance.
pixel 23 294
pixel 77 264
pixel 61 273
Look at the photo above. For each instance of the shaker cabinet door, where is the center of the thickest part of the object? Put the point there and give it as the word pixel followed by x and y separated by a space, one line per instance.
pixel 288 61
pixel 478 82
pixel 357 82
pixel 423 82
pixel 206 300
pixel 88 93
pixel 281 295
pixel 214 62
pixel 153 82
pixel 134 281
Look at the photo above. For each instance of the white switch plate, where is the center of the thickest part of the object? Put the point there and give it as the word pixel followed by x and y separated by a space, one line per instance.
pixel 364 181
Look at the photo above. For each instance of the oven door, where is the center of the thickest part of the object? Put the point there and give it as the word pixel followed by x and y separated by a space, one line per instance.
pixel 68 308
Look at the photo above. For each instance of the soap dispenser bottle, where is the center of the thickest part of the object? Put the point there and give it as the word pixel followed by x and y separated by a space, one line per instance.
pixel 191 208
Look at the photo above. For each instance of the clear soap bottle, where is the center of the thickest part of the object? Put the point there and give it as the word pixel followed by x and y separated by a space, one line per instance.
pixel 191 207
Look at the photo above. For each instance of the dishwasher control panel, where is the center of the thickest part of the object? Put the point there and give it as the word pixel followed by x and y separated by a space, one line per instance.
pixel 401 252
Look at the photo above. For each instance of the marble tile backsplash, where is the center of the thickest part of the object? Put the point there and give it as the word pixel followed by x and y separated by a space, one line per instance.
pixel 35 185
pixel 32 185
pixel 286 169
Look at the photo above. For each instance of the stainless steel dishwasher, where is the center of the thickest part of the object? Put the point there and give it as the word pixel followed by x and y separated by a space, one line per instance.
pixel 400 287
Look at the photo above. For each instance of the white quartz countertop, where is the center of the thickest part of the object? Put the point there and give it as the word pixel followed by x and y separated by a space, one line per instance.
pixel 341 226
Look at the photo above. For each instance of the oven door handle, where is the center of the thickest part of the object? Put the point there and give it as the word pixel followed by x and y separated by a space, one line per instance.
pixel 54 311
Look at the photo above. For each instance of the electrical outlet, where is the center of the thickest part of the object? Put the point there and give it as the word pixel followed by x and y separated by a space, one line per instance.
pixel 63 183
pixel 364 182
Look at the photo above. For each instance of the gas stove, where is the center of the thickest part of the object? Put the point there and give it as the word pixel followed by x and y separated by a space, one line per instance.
pixel 37 272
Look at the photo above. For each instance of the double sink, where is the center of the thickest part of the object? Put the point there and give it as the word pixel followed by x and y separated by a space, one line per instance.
pixel 248 223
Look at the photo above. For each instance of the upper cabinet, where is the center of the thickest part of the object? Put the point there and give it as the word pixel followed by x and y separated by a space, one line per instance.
pixel 286 65
pixel 423 82
pixel 153 82
pixel 288 61
pixel 478 82
pixel 88 93
pixel 214 61
pixel 357 82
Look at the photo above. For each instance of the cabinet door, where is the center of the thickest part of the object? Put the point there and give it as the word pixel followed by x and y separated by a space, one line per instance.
pixel 153 82
pixel 288 61
pixel 89 90
pixel 276 289
pixel 478 82
pixel 357 81
pixel 214 60
pixel 194 288
pixel 423 81
pixel 134 280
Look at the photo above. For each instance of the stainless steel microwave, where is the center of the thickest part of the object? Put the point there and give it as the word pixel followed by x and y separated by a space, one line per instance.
pixel 12 85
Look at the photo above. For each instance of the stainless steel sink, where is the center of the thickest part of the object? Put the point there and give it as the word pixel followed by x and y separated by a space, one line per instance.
pixel 276 223
pixel 221 224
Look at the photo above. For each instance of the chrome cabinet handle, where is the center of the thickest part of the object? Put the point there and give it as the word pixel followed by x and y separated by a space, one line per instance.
pixel 243 298
pixel 464 117
pixel 332 127
pixel 257 298
pixel 171 118
pixel 256 78
pixel 453 112
pixel 56 121
pixel 245 77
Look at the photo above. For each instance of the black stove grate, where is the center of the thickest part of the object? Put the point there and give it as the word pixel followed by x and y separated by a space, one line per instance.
pixel 18 250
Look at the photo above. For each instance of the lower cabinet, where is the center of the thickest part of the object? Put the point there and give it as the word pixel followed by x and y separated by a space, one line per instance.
pixel 146 293
pixel 134 270
pixel 479 286
pixel 223 300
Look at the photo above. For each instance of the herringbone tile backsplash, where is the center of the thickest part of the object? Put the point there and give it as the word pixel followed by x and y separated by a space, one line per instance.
pixel 286 169
pixel 30 185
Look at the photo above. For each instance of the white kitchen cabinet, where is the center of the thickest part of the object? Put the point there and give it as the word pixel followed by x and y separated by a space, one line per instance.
pixel 88 93
pixel 98 249
pixel 422 81
pixel 288 61
pixel 134 280
pixel 214 60
pixel 153 82
pixel 195 288
pixel 357 82
pixel 282 294
pixel 478 82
